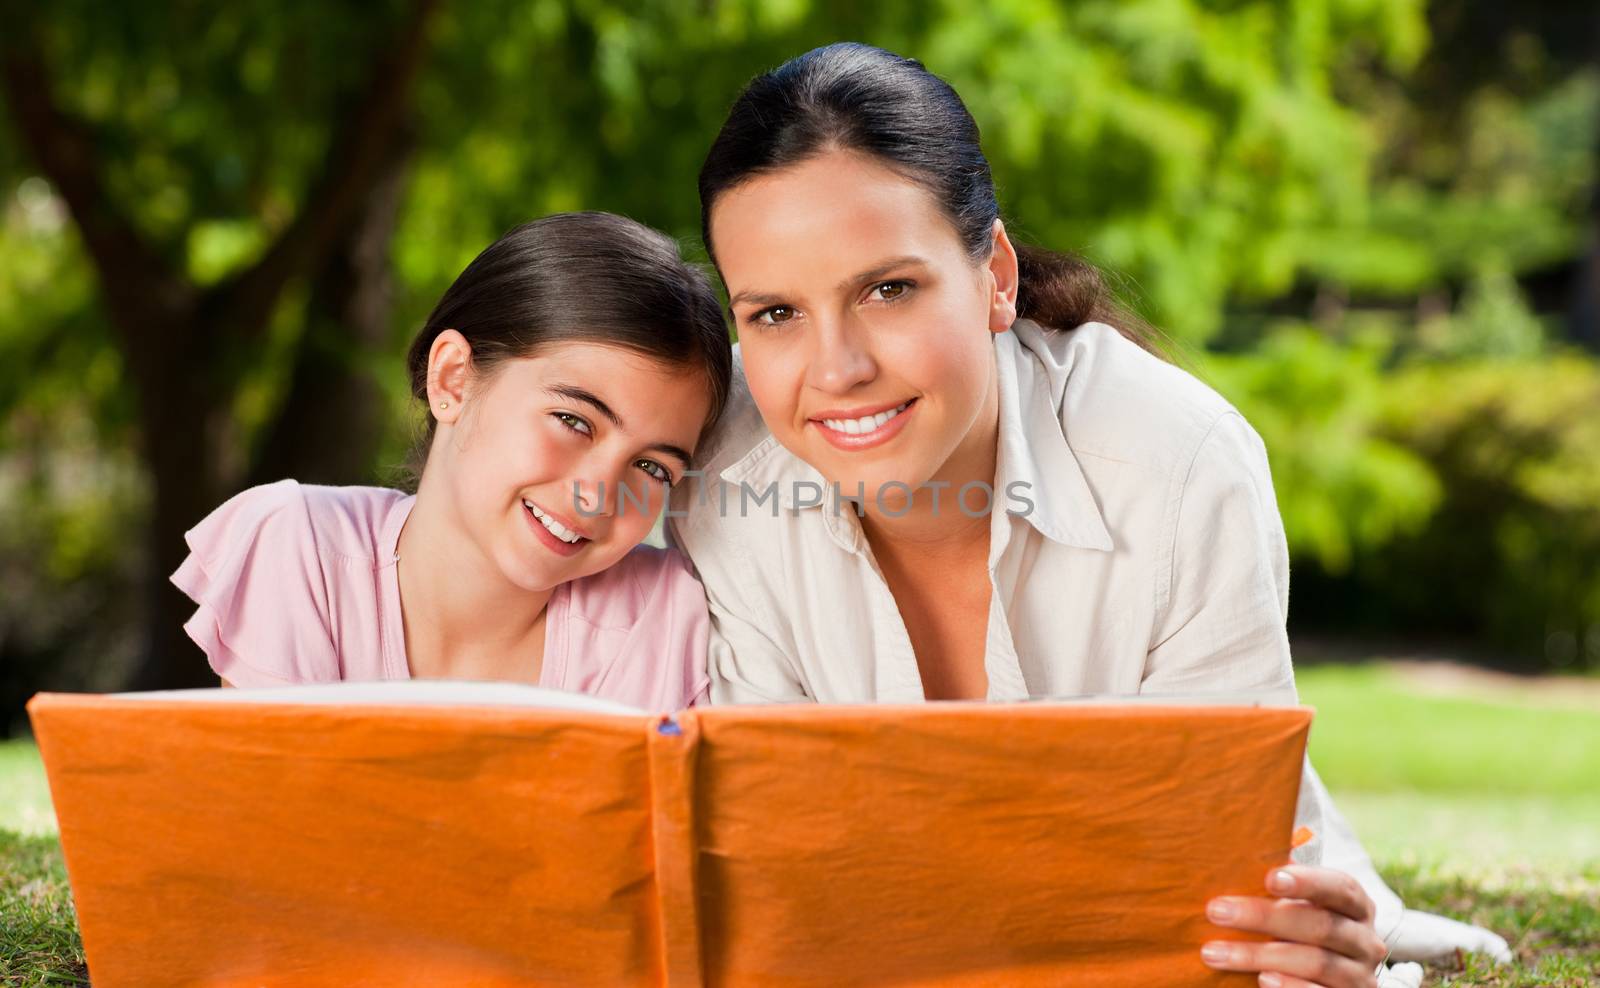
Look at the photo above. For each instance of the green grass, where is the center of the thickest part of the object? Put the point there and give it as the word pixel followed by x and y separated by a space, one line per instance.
pixel 39 942
pixel 1485 780
pixel 24 794
pixel 1554 932
pixel 1374 732
pixel 1478 802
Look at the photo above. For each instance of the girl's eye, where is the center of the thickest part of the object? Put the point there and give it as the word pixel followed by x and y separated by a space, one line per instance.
pixel 575 423
pixel 774 316
pixel 889 291
pixel 655 470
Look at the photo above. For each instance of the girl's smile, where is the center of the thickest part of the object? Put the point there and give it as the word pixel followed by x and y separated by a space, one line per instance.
pixel 559 537
pixel 555 465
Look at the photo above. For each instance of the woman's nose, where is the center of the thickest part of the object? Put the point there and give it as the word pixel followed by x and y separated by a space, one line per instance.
pixel 842 359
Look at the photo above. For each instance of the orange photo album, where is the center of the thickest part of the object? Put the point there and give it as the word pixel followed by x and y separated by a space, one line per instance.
pixel 438 833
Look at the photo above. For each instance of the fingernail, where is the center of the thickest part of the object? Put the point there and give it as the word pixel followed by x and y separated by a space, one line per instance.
pixel 1221 911
pixel 1216 954
pixel 1281 882
pixel 1270 980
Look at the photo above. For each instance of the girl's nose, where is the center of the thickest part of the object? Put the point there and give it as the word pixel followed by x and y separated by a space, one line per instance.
pixel 841 360
pixel 594 496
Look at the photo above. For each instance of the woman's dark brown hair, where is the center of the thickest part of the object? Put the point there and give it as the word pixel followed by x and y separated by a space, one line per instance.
pixel 581 278
pixel 854 97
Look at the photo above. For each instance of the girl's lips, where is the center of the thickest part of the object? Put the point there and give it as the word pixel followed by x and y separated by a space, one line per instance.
pixel 855 441
pixel 544 535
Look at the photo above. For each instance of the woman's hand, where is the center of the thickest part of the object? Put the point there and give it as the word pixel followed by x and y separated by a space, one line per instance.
pixel 1320 921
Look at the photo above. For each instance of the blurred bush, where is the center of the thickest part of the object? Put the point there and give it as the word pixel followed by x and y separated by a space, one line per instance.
pixel 1437 481
pixel 1513 550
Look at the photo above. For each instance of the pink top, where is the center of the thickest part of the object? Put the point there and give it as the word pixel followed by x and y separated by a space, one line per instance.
pixel 298 584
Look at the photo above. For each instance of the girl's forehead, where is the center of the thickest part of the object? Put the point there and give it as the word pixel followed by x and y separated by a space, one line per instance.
pixel 642 390
pixel 586 357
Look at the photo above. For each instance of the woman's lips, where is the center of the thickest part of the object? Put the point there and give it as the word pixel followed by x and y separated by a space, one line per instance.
pixel 873 427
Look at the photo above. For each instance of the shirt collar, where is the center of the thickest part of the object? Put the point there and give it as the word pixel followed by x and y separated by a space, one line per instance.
pixel 1033 448
pixel 1033 452
pixel 770 469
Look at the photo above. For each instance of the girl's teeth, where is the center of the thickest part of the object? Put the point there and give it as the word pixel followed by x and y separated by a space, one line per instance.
pixel 867 423
pixel 557 529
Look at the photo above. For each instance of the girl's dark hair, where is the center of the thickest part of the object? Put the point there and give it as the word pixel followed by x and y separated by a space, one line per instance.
pixel 854 97
pixel 580 278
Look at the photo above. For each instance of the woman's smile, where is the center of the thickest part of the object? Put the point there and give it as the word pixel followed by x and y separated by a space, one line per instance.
pixel 863 428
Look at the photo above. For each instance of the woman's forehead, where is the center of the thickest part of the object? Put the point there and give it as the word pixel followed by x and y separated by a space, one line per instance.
pixel 824 218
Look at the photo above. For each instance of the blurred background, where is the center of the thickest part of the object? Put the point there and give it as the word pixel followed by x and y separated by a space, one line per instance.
pixel 1372 224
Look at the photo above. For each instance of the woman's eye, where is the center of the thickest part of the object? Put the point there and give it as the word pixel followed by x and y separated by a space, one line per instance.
pixel 889 291
pixel 575 423
pixel 774 316
pixel 655 470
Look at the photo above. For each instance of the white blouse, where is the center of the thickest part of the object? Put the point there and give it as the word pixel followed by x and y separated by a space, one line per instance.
pixel 1135 547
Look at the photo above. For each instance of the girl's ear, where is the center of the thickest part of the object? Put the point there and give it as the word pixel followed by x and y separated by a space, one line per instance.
pixel 449 366
pixel 1003 271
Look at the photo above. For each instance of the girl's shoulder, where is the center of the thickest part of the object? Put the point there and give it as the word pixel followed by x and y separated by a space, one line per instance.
pixel 649 583
pixel 266 568
pixel 637 632
pixel 348 522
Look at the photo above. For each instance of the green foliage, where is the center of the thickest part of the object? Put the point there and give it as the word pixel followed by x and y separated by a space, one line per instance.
pixel 1212 155
pixel 1342 488
pixel 1440 479
pixel 1512 550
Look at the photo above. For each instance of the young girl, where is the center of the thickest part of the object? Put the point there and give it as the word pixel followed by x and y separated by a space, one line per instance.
pixel 1046 506
pixel 569 374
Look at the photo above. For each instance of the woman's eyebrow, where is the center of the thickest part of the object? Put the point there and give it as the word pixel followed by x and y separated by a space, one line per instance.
pixel 573 393
pixel 874 273
pixel 759 298
pixel 871 274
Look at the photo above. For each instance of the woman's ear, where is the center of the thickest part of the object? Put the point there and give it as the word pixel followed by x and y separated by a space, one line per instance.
pixel 449 367
pixel 1004 273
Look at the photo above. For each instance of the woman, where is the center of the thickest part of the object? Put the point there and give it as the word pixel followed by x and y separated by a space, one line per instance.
pixel 1041 506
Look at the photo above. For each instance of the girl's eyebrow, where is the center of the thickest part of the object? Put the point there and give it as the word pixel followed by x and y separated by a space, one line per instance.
pixel 871 274
pixel 572 393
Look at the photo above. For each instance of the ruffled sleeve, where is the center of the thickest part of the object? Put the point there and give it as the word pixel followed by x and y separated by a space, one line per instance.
pixel 261 600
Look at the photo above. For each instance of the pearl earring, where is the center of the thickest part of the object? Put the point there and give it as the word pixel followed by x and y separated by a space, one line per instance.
pixel 444 404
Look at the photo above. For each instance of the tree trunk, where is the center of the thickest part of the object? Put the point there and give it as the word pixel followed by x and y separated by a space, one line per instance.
pixel 181 415
pixel 334 413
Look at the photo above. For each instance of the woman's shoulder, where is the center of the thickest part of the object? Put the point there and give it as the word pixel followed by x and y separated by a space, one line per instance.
pixel 1117 400
pixel 737 432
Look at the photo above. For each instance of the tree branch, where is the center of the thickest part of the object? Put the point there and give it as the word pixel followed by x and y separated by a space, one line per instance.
pixel 141 291
pixel 356 157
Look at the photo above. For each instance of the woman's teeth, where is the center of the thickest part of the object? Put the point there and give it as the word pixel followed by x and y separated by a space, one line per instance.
pixel 557 529
pixel 866 423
